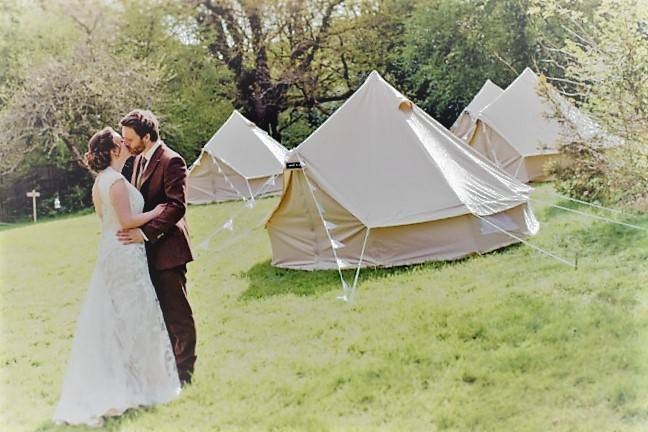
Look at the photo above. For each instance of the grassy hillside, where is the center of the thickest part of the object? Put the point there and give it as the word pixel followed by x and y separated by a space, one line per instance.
pixel 510 340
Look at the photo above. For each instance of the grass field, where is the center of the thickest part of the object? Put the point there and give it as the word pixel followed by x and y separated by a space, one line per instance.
pixel 508 341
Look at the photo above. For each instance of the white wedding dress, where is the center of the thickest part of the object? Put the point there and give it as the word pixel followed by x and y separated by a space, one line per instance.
pixel 121 354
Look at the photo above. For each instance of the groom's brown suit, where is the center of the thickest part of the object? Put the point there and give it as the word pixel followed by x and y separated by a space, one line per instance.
pixel 168 248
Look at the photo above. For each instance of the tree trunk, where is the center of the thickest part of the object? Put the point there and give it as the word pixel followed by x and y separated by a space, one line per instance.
pixel 78 158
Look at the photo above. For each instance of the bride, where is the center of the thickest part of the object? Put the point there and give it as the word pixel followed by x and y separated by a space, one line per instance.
pixel 121 354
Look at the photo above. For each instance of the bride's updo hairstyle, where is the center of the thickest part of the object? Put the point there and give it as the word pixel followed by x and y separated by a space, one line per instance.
pixel 99 148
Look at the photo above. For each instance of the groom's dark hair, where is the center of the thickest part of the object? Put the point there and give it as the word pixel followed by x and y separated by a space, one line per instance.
pixel 142 122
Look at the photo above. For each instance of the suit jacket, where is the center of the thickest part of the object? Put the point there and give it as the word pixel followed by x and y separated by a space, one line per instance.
pixel 165 182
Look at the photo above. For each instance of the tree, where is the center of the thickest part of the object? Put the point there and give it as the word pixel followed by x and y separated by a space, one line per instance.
pixel 28 36
pixel 63 103
pixel 605 62
pixel 194 91
pixel 452 46
pixel 100 61
pixel 72 67
pixel 286 54
pixel 63 100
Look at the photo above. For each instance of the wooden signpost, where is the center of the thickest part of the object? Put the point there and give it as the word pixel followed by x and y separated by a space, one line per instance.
pixel 33 195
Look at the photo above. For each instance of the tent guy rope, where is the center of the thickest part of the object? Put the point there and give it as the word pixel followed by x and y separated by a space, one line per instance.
pixel 601 218
pixel 229 224
pixel 348 293
pixel 532 246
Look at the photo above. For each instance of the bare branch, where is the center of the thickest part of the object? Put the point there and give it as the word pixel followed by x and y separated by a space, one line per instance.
pixel 507 64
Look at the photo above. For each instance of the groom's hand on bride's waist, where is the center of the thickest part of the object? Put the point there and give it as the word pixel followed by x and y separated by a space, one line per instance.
pixel 129 236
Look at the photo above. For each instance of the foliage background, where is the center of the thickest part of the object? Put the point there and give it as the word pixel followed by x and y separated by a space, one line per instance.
pixel 69 67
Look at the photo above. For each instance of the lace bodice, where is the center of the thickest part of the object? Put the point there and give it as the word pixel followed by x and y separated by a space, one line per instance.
pixel 105 179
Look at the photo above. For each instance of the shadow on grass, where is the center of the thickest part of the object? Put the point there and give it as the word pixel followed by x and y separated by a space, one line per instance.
pixel 5 226
pixel 605 237
pixel 601 236
pixel 110 424
pixel 550 212
pixel 27 222
pixel 267 281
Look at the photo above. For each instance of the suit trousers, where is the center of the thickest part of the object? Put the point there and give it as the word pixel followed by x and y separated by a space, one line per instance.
pixel 171 288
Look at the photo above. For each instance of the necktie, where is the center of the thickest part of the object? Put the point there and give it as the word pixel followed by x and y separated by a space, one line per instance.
pixel 140 171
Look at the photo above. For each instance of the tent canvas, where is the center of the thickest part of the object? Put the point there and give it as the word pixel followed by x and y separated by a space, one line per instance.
pixel 239 161
pixel 381 163
pixel 465 123
pixel 519 130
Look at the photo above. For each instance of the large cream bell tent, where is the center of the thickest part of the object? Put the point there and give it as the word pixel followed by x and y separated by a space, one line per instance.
pixel 239 162
pixel 466 121
pixel 520 132
pixel 383 181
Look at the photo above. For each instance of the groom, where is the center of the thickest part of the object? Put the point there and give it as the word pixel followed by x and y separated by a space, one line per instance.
pixel 160 174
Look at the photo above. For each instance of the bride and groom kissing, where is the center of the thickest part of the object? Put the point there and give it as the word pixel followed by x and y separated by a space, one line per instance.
pixel 135 337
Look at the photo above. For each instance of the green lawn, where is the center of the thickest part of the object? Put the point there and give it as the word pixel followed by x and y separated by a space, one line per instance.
pixel 508 341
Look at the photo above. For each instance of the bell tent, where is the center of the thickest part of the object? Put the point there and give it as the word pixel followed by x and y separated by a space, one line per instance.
pixel 465 123
pixel 381 183
pixel 241 161
pixel 520 130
